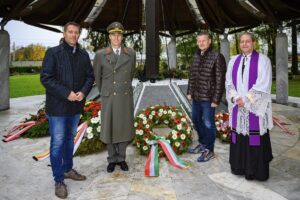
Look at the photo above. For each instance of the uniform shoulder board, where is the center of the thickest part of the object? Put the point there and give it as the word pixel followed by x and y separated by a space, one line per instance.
pixel 107 50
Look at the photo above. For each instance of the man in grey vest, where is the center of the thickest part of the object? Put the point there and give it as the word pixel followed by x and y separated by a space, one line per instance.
pixel 114 68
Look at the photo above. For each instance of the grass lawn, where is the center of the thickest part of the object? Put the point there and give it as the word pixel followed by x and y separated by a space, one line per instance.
pixel 25 85
pixel 29 85
pixel 294 86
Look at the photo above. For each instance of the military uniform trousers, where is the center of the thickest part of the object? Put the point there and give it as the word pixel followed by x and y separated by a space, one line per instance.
pixel 117 152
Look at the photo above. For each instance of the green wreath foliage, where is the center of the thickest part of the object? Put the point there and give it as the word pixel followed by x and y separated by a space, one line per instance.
pixel 41 128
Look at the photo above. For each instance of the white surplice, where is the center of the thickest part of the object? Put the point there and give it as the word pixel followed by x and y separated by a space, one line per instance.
pixel 257 99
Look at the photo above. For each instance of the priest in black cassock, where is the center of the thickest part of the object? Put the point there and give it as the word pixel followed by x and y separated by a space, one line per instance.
pixel 248 92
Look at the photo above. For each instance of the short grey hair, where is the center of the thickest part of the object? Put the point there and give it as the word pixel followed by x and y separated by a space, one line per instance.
pixel 250 34
pixel 204 33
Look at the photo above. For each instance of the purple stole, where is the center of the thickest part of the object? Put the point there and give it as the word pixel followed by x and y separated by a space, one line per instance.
pixel 254 136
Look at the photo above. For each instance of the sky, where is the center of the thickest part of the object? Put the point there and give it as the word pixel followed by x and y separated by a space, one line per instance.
pixel 23 34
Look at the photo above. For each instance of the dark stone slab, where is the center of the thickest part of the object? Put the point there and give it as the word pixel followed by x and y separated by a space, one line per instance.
pixel 157 95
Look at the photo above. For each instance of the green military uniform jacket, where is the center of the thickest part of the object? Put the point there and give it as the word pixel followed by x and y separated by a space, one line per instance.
pixel 114 80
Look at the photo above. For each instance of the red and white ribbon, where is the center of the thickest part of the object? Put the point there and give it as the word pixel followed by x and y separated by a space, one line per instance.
pixel 17 131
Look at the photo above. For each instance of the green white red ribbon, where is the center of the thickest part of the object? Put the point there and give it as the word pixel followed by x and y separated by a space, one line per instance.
pixel 77 140
pixel 152 167
pixel 17 131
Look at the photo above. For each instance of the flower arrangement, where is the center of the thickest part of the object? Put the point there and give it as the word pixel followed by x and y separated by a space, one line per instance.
pixel 91 142
pixel 179 138
pixel 222 125
pixel 41 127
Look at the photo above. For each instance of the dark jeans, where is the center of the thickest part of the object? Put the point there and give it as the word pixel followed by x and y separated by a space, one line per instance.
pixel 203 117
pixel 62 130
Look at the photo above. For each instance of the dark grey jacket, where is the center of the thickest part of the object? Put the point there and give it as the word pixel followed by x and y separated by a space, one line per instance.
pixel 64 71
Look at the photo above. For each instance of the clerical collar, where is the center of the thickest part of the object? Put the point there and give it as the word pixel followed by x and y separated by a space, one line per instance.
pixel 247 56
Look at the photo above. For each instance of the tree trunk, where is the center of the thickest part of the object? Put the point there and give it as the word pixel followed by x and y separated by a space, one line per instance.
pixel 236 43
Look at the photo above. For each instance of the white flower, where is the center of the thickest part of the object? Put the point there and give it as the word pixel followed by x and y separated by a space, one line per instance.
pixel 145 122
pixel 147 140
pixel 160 114
pixel 166 121
pixel 182 136
pixel 183 119
pixel 141 132
pixel 165 112
pixel 152 107
pixel 98 129
pixel 147 126
pixel 221 121
pixel 144 118
pixel 173 114
pixel 169 111
pixel 93 120
pixel 223 129
pixel 89 129
pixel 137 132
pixel 177 144
pixel 135 124
pixel 174 132
pixel 217 123
pixel 138 145
pixel 153 112
pixel 90 135
pixel 145 148
pixel 150 116
pixel 179 126
pixel 174 136
pixel 188 130
pixel 141 116
pixel 161 110
pixel 218 128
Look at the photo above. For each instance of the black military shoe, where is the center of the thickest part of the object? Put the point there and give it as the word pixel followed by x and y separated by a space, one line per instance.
pixel 111 167
pixel 249 177
pixel 123 165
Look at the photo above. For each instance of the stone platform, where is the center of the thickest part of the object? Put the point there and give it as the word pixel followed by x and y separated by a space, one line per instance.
pixel 22 178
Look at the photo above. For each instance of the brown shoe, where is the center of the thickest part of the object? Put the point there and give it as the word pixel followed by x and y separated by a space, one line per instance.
pixel 74 175
pixel 61 190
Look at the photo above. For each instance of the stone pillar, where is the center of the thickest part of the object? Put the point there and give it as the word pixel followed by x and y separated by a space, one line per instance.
pixel 225 48
pixel 171 48
pixel 4 70
pixel 282 68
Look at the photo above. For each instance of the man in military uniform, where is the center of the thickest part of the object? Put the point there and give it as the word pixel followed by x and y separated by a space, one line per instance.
pixel 114 68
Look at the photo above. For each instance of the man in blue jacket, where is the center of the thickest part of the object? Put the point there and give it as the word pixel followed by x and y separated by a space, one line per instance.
pixel 68 77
